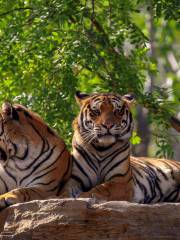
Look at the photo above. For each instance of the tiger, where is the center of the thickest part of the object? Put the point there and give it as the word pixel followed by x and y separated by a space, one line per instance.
pixel 103 167
pixel 34 160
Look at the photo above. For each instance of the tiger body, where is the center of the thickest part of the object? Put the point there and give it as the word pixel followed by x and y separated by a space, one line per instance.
pixel 155 180
pixel 34 160
pixel 102 165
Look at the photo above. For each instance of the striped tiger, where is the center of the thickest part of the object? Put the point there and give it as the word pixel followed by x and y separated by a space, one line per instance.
pixel 34 161
pixel 102 165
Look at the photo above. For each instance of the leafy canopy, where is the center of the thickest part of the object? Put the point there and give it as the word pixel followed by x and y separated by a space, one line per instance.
pixel 50 48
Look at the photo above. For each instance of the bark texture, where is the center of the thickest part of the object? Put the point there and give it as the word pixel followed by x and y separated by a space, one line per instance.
pixel 83 219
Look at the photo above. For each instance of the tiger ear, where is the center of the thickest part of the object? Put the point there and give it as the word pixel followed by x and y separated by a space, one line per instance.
pixel 80 97
pixel 7 110
pixel 129 99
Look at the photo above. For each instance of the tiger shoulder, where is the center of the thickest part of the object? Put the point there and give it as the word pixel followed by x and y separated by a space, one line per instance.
pixel 35 162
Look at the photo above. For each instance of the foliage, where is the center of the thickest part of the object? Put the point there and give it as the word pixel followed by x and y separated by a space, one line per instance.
pixel 51 48
pixel 135 139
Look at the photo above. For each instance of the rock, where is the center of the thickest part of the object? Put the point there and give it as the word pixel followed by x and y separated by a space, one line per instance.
pixel 83 219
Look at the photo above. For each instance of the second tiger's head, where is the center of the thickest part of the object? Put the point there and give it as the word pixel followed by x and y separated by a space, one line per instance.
pixel 104 118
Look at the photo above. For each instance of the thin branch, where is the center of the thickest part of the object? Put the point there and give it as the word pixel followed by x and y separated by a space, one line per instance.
pixel 152 43
pixel 160 136
pixel 175 123
pixel 110 12
pixel 15 9
pixel 99 29
pixel 97 73
pixel 92 15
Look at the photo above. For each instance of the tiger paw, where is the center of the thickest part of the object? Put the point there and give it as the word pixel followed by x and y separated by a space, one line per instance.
pixel 64 194
pixel 94 194
pixel 8 199
pixel 87 195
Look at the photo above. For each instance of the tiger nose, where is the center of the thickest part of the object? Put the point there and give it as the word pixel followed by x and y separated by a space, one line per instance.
pixel 107 125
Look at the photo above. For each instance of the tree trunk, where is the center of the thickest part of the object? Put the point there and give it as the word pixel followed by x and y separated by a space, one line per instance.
pixel 143 128
pixel 143 131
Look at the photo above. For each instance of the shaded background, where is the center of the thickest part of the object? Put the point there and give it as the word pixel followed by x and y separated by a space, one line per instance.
pixel 51 48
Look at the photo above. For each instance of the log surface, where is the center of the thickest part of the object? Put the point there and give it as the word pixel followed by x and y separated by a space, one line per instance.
pixel 83 219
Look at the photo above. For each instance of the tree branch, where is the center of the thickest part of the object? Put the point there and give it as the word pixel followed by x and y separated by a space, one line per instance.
pixel 92 15
pixel 15 9
pixel 175 123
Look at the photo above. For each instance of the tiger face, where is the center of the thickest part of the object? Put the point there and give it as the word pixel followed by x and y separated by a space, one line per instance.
pixel 104 118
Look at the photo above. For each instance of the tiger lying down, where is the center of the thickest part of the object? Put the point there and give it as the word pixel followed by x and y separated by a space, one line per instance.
pixel 102 166
pixel 34 160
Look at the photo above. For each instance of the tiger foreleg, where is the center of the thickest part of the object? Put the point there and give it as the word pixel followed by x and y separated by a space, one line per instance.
pixel 20 195
pixel 110 191
pixel 72 189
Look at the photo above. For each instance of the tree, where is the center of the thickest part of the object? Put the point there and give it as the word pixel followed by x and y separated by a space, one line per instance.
pixel 51 48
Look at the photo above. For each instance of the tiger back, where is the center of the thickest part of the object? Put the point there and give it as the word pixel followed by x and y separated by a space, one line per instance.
pixel 35 162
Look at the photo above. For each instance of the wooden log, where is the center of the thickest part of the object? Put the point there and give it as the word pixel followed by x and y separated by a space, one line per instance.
pixel 82 219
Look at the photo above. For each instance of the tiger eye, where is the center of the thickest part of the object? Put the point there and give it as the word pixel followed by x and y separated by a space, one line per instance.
pixel 119 112
pixel 94 113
